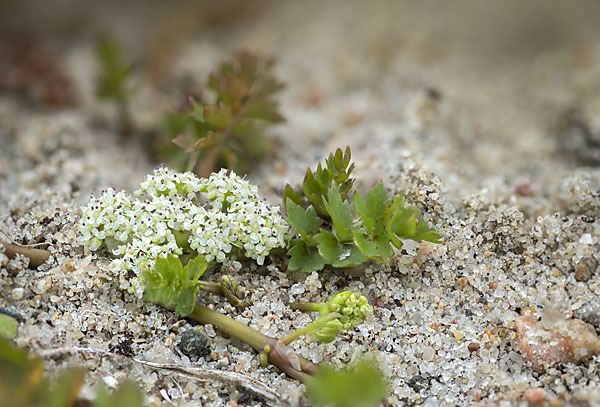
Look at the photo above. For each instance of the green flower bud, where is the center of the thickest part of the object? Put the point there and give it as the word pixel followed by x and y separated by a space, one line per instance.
pixel 352 308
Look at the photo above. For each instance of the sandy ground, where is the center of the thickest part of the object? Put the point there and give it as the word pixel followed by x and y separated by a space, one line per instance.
pixel 489 118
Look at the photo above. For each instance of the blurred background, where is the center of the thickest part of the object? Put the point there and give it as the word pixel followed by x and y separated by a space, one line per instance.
pixel 476 90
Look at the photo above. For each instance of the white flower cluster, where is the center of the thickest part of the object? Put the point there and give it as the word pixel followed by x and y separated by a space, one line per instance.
pixel 179 213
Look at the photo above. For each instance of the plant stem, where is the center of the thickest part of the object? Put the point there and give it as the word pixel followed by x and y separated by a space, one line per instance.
pixel 256 340
pixel 210 287
pixel 37 257
pixel 124 117
pixel 208 161
pixel 306 306
pixel 316 324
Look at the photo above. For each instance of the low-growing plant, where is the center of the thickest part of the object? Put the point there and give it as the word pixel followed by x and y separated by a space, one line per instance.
pixel 177 213
pixel 339 227
pixel 229 132
pixel 23 384
pixel 114 81
pixel 175 287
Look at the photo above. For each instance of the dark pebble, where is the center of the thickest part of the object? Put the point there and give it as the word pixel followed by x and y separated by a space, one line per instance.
pixel 418 383
pixel 194 344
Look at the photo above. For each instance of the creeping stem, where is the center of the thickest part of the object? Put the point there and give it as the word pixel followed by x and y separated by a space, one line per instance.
pixel 37 257
pixel 261 343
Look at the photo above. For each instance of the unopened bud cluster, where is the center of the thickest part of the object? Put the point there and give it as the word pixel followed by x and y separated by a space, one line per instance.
pixel 178 213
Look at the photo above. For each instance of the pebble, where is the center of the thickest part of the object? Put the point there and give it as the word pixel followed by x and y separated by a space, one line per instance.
pixel 586 268
pixel 194 344
pixel 534 395
pixel 418 383
pixel 17 293
pixel 473 347
pixel 561 341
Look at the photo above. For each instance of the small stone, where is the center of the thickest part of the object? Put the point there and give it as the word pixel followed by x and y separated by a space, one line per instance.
pixel 585 269
pixel 458 335
pixel 418 383
pixel 428 353
pixel 586 238
pixel 473 347
pixel 463 281
pixel 194 344
pixel 111 382
pixel 534 395
pixel 17 293
pixel 559 341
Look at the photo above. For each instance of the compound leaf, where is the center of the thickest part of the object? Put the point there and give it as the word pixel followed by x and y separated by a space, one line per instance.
pixel 303 258
pixel 302 220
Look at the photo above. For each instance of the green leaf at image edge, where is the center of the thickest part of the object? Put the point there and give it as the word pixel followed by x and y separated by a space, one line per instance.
pixel 360 386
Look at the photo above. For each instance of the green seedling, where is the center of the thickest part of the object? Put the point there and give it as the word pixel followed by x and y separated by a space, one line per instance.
pixel 230 131
pixel 172 285
pixel 23 384
pixel 114 81
pixel 175 287
pixel 341 312
pixel 339 227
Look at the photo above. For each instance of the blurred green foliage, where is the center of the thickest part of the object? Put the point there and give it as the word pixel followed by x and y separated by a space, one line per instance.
pixel 115 70
pixel 360 386
pixel 23 384
pixel 230 132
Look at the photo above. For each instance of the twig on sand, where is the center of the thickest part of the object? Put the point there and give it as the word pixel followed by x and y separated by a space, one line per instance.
pixel 253 386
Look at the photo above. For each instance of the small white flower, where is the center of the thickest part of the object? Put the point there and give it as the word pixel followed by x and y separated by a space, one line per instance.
pixel 142 228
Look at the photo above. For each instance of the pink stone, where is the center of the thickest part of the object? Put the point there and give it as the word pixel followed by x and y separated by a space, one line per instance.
pixel 534 395
pixel 560 341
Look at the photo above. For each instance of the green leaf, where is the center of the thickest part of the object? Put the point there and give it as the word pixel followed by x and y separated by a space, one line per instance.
pixel 336 253
pixel 404 222
pixel 114 70
pixel 427 233
pixel 262 109
pixel 8 327
pixel 233 90
pixel 195 268
pixel 375 249
pixel 127 395
pixel 304 258
pixel 376 201
pixel 340 213
pixel 219 116
pixel 314 193
pixel 66 388
pixel 293 194
pixel 361 386
pixel 174 124
pixel 185 300
pixel 302 220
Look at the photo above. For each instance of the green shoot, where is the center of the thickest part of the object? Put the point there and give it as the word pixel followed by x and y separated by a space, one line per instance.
pixel 360 386
pixel 340 313
pixel 230 131
pixel 171 284
pixel 113 82
pixel 338 227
